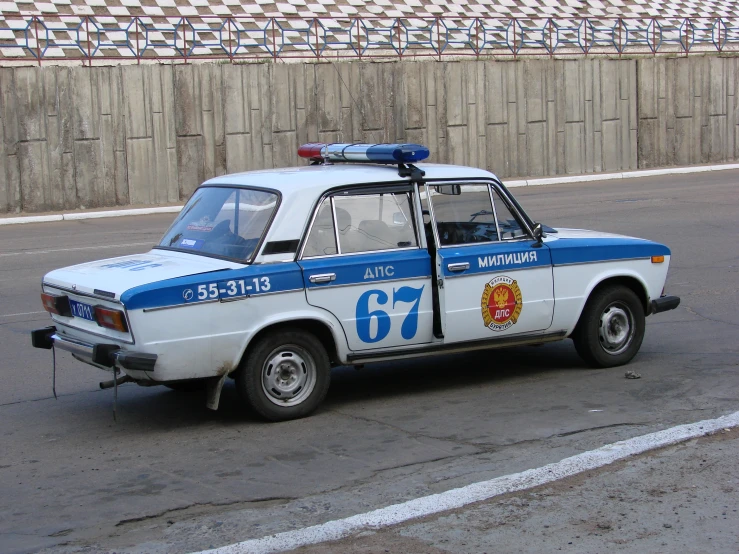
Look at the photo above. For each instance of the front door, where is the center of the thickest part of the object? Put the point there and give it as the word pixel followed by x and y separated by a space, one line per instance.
pixel 362 261
pixel 494 279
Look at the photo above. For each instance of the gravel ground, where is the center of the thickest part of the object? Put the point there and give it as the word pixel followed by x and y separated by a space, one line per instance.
pixel 677 499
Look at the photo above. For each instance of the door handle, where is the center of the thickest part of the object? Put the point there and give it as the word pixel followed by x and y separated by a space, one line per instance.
pixel 322 278
pixel 458 266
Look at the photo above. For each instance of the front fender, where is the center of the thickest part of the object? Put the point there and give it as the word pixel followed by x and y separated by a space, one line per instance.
pixel 616 274
pixel 573 285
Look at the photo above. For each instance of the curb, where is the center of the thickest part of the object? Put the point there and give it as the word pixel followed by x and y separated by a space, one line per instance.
pixel 620 175
pixel 539 181
pixel 88 215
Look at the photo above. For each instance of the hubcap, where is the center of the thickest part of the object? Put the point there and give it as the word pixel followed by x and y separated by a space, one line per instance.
pixel 288 375
pixel 616 328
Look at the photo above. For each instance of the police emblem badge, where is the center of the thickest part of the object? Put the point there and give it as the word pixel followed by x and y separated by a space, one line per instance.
pixel 501 303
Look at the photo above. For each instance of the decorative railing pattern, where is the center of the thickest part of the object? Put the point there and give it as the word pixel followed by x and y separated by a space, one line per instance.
pixel 242 38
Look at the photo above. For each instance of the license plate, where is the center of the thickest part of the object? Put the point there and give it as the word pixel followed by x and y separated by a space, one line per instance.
pixel 85 311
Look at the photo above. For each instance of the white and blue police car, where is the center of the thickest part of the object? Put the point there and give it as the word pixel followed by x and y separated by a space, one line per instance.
pixel 273 277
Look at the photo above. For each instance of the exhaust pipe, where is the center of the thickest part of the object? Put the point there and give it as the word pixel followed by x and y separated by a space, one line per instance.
pixel 115 382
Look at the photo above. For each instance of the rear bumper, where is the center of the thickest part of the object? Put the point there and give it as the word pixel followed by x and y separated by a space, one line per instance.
pixel 664 303
pixel 106 355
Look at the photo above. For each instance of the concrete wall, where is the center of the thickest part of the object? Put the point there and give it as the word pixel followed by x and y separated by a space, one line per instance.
pixel 127 135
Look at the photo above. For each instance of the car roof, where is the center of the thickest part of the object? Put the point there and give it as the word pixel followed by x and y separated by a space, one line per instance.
pixel 318 178
pixel 301 187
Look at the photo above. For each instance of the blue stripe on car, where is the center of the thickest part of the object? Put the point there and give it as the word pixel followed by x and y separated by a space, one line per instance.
pixel 494 257
pixel 369 268
pixel 172 292
pixel 404 264
pixel 587 250
pixel 506 256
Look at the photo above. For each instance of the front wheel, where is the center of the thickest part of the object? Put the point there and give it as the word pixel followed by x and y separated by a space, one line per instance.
pixel 611 327
pixel 285 375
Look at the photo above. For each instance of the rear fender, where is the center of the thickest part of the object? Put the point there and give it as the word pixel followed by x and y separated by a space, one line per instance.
pixel 318 316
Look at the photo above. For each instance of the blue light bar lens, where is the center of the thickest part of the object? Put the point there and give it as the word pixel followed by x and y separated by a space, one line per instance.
pixel 397 153
pixel 374 153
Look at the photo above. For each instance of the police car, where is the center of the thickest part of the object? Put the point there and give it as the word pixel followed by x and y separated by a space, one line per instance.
pixel 273 277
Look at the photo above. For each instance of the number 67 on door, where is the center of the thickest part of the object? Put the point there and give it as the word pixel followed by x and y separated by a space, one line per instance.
pixel 404 295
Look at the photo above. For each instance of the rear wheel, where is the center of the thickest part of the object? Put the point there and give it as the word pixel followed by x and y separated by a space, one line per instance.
pixel 611 327
pixel 285 375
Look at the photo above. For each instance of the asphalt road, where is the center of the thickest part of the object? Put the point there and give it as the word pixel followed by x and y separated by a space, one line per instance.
pixel 171 476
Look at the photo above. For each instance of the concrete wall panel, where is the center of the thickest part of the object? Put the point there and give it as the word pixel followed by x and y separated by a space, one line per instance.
pixel 54 135
pixel 188 84
pixel 415 96
pixel 88 175
pixel 34 175
pixel 236 107
pixel 30 103
pixel 139 153
pixel 86 93
pixel 189 164
pixel 137 99
pixel 10 194
pixel 4 192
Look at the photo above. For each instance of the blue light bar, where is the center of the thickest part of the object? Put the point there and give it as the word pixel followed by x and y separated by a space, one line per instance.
pixel 373 153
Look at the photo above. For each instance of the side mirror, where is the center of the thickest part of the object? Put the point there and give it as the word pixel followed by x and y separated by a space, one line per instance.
pixel 538 233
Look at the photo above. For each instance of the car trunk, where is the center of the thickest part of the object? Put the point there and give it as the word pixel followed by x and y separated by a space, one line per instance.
pixel 101 283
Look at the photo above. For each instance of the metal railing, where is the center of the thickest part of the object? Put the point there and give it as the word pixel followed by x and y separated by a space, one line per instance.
pixel 42 38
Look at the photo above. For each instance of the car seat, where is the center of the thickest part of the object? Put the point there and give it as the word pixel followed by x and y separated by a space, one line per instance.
pixel 375 235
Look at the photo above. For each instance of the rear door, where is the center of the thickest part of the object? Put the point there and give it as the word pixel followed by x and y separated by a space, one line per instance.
pixel 495 280
pixel 362 261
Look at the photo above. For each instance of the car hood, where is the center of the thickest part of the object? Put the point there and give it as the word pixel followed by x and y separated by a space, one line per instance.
pixel 585 234
pixel 576 246
pixel 114 276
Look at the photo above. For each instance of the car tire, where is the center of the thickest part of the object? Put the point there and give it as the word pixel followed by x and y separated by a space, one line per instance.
pixel 285 375
pixel 611 327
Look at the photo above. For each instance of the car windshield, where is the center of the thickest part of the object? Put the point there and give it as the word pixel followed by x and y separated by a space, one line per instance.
pixel 222 221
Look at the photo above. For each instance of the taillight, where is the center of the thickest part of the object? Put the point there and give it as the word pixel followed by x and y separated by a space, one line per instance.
pixel 111 319
pixel 56 304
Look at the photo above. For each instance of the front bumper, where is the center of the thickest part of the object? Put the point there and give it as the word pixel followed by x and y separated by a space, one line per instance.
pixel 664 303
pixel 106 355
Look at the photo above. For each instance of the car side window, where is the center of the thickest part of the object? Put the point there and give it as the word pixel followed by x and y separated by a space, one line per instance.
pixel 370 222
pixel 509 226
pixel 322 238
pixel 463 214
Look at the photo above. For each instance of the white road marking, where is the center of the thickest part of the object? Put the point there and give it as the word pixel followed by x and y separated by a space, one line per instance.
pixel 24 313
pixel 457 498
pixel 98 247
